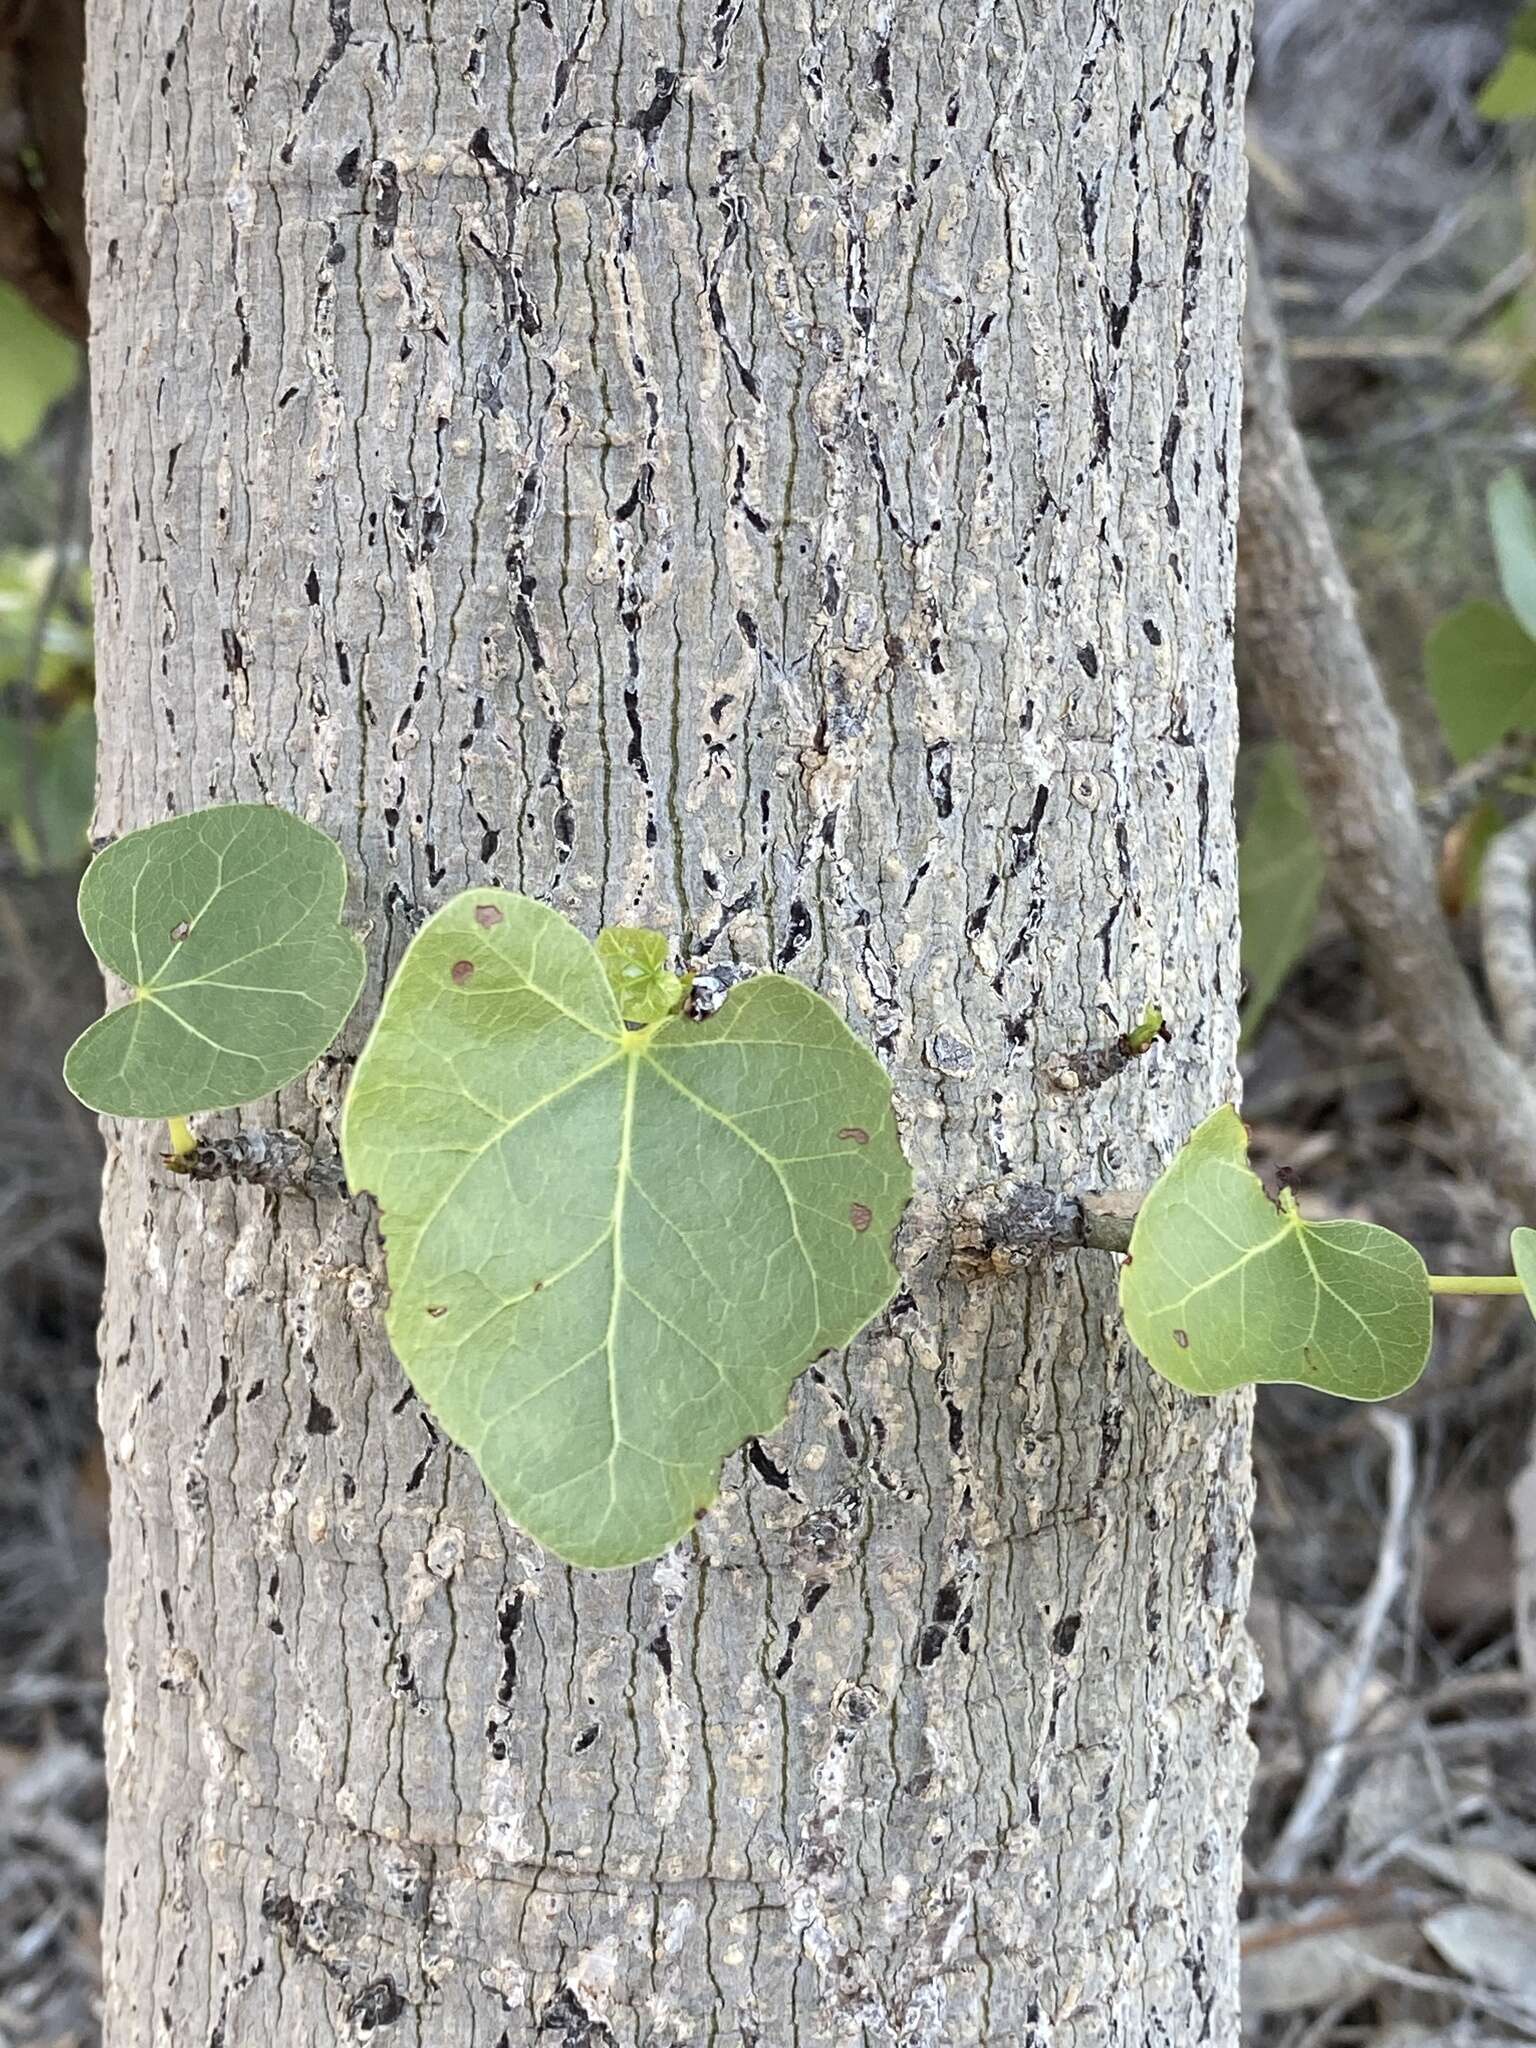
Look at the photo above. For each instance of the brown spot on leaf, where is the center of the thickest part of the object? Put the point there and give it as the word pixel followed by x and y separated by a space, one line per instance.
pixel 860 1217
pixel 438 1308
pixel 1181 1338
pixel 853 1131
pixel 180 931
pixel 488 915
pixel 461 970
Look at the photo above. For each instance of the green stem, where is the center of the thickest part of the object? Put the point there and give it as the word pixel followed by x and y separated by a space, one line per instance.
pixel 1143 1036
pixel 1474 1283
pixel 183 1144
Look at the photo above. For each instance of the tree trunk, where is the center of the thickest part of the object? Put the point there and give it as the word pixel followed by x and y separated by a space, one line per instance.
pixel 765 471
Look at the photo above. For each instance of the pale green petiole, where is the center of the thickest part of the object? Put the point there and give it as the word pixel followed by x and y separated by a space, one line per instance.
pixel 183 1144
pixel 1474 1283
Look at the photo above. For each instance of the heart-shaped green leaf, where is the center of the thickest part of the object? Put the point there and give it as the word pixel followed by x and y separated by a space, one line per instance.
pixel 1522 1252
pixel 1224 1286
pixel 611 1251
pixel 225 924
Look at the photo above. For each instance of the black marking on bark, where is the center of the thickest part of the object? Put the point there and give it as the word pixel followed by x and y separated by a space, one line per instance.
pixel 765 1468
pixel 220 1400
pixel 347 172
pixel 726 14
pixel 386 212
pixel 509 1619
pixel 1065 1633
pixel 1111 1429
pixel 567 2020
pixel 320 1421
pixel 1170 450
pixel 340 12
pixel 660 1647
pixel 377 2005
pixel 798 936
pixel 650 119
pixel 242 360
pixel 419 1470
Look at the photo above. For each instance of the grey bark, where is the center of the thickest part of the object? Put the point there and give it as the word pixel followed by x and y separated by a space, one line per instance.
pixel 764 470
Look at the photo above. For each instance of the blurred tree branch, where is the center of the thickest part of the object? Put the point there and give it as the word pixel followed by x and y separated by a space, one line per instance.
pixel 42 157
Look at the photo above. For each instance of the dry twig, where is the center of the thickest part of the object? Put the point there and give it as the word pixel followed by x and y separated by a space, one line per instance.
pixel 1313 1802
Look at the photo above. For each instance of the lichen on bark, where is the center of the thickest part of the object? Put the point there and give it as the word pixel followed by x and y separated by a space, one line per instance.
pixel 764 472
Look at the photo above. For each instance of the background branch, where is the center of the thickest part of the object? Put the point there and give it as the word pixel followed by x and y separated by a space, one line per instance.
pixel 1509 945
pixel 1301 642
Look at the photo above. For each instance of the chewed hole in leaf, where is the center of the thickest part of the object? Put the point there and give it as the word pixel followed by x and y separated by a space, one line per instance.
pixel 461 971
pixel 1225 1288
pixel 487 916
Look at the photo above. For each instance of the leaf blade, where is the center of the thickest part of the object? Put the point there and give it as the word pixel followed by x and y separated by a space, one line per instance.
pixel 1522 1252
pixel 1480 664
pixel 1281 871
pixel 1224 1288
pixel 225 924
pixel 612 1252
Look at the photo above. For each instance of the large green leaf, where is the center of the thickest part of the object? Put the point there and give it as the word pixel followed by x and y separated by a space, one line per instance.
pixel 1481 667
pixel 1224 1286
pixel 38 364
pixel 611 1250
pixel 225 924
pixel 1280 872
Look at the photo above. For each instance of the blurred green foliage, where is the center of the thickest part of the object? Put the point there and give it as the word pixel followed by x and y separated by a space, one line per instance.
pixel 1510 95
pixel 38 366
pixel 47 727
pixel 1480 666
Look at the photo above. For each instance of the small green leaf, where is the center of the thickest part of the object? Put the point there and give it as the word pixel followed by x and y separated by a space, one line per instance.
pixel 1522 1252
pixel 610 1251
pixel 1224 1287
pixel 1512 523
pixel 1280 873
pixel 1481 667
pixel 38 364
pixel 225 924
pixel 635 963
